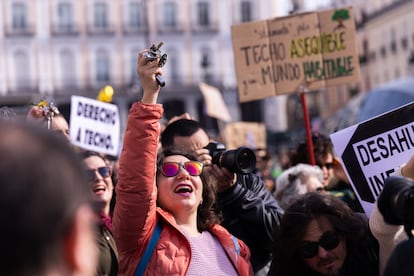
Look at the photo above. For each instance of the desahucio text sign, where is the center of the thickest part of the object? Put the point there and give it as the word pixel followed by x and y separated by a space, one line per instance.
pixel 278 56
pixel 370 151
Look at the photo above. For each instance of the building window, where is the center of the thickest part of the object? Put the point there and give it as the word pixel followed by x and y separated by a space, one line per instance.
pixel 205 64
pixel 65 14
pixel 203 13
pixel 102 66
pixel 170 11
pixel 173 65
pixel 19 16
pixel 246 11
pixel 101 15
pixel 134 14
pixel 134 74
pixel 68 68
pixel 393 35
pixel 404 39
pixel 22 69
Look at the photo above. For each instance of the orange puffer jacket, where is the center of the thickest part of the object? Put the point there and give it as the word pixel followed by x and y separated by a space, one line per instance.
pixel 136 213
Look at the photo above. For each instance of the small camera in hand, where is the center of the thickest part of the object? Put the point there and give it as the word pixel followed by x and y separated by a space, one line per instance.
pixel 396 201
pixel 153 54
pixel 241 160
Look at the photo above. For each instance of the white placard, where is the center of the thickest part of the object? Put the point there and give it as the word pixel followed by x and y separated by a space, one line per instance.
pixel 370 151
pixel 94 125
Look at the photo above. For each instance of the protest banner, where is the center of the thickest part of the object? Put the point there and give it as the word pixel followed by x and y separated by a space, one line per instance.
pixel 281 55
pixel 370 151
pixel 94 125
pixel 244 134
pixel 215 105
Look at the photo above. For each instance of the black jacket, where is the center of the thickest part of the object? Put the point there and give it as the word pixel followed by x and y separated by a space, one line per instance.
pixel 401 260
pixel 250 213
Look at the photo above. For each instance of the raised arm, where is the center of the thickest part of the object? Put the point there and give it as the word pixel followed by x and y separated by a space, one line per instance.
pixel 135 209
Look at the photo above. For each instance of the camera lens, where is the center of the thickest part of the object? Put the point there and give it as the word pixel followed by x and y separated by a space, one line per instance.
pixel 245 159
pixel 396 201
pixel 241 160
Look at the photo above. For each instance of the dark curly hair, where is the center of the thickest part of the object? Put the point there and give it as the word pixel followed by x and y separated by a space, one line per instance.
pixel 207 214
pixel 353 227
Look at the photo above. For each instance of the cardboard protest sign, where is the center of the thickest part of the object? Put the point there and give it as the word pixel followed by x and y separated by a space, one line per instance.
pixel 94 125
pixel 280 55
pixel 216 107
pixel 370 151
pixel 251 135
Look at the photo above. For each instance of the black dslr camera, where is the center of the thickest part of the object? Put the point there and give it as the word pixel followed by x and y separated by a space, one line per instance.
pixel 241 160
pixel 396 202
pixel 154 53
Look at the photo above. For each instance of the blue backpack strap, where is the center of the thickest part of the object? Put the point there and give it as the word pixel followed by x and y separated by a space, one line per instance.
pixel 236 244
pixel 148 251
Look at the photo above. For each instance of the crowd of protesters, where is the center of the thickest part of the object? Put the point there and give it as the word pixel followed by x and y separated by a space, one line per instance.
pixel 166 208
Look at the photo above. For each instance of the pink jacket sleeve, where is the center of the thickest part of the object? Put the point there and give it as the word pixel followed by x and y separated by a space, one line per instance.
pixel 135 210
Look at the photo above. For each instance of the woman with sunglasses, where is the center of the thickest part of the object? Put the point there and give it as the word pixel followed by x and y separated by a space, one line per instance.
pixel 170 197
pixel 98 174
pixel 320 235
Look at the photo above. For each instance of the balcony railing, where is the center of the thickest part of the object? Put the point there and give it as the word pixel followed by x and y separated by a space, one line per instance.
pixel 13 31
pixel 174 28
pixel 211 28
pixel 106 30
pixel 129 29
pixel 64 30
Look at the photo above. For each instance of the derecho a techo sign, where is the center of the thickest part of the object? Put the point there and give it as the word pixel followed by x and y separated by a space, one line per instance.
pixel 371 150
pixel 94 125
pixel 279 55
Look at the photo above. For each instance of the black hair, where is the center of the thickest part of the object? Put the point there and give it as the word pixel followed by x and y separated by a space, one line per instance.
pixel 181 127
pixel 322 146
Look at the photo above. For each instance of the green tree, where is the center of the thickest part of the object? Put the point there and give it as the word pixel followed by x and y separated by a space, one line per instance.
pixel 340 16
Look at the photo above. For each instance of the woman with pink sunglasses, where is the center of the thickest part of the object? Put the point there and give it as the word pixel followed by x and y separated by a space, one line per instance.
pixel 164 219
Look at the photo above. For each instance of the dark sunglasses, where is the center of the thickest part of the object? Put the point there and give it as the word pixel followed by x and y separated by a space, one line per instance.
pixel 170 169
pixel 328 241
pixel 328 166
pixel 320 189
pixel 103 172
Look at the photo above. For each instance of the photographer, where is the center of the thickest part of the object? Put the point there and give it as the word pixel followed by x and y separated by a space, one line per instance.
pixel 386 230
pixel 249 210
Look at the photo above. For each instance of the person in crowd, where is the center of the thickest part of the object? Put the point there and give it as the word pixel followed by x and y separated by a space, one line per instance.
pixel 264 166
pixel 171 194
pixel 250 212
pixel 98 174
pixel 113 162
pixel 58 122
pixel 320 235
pixel 335 179
pixel 48 217
pixel 296 181
pixel 388 233
pixel 7 113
